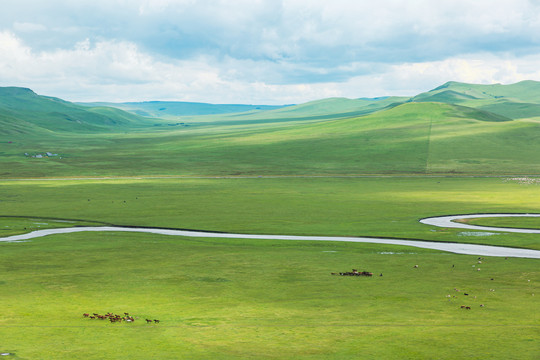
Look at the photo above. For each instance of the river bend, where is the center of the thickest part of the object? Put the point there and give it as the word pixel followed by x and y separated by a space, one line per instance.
pixel 446 221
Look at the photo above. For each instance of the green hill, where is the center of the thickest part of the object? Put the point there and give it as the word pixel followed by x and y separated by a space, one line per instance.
pixel 167 109
pixel 23 111
pixel 516 101
pixel 445 96
pixel 326 137
pixel 523 91
pixel 313 111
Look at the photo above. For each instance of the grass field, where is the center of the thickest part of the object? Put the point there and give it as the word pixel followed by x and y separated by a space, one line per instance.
pixel 337 167
pixel 265 299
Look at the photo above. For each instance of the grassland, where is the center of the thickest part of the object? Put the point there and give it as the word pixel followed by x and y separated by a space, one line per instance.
pixel 403 160
pixel 414 138
pixel 265 299
pixel 522 223
pixel 455 135
pixel 236 299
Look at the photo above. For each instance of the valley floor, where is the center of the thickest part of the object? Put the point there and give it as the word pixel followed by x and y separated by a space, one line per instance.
pixel 230 298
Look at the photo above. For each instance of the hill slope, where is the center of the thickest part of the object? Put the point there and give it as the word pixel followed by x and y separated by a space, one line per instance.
pixel 23 111
pixel 167 109
pixel 326 137
pixel 516 101
pixel 412 138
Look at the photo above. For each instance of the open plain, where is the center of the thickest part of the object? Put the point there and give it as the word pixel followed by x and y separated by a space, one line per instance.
pixel 366 171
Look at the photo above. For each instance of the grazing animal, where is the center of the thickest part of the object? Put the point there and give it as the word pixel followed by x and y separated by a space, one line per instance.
pixel 355 272
pixel 156 321
pixel 86 315
pixel 92 317
pixel 148 321
pixel 467 308
pixel 415 266
pixel 465 294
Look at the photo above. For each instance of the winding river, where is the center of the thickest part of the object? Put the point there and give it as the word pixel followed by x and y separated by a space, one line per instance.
pixel 442 221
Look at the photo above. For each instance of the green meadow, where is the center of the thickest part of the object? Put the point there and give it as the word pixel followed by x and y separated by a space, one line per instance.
pixel 264 299
pixel 337 167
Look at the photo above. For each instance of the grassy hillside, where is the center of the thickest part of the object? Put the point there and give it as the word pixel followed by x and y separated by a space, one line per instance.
pixel 23 111
pixel 265 299
pixel 524 91
pixel 167 109
pixel 516 101
pixel 326 137
pixel 334 107
pixel 413 138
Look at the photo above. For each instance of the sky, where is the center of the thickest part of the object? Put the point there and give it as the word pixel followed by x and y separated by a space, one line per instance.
pixel 263 51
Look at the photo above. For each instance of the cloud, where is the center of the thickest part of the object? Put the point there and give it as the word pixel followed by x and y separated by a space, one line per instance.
pixel 263 51
pixel 305 31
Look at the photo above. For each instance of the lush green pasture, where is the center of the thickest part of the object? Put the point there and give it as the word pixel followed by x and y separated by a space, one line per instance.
pixel 413 138
pixel 385 207
pixel 266 299
pixel 236 298
pixel 522 223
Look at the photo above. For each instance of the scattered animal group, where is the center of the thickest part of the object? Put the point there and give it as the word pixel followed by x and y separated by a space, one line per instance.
pixel 354 272
pixel 116 318
pixel 466 307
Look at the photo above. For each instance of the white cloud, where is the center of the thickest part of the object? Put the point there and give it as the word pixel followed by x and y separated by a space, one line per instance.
pixel 120 71
pixel 263 51
pixel 412 78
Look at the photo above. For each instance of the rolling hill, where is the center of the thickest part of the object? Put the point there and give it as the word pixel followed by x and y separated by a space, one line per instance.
pixel 23 111
pixel 477 129
pixel 516 101
pixel 168 109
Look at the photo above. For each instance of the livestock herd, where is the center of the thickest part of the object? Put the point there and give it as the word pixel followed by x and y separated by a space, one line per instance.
pixel 354 272
pixel 113 318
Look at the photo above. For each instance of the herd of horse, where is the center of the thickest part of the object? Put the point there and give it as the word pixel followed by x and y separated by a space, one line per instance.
pixel 354 272
pixel 116 318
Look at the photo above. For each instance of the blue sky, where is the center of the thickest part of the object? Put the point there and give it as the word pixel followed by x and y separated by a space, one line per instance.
pixel 263 51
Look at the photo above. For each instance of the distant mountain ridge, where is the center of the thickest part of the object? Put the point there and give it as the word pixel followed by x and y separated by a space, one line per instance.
pixel 453 129
pixel 516 101
pixel 180 108
pixel 22 110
